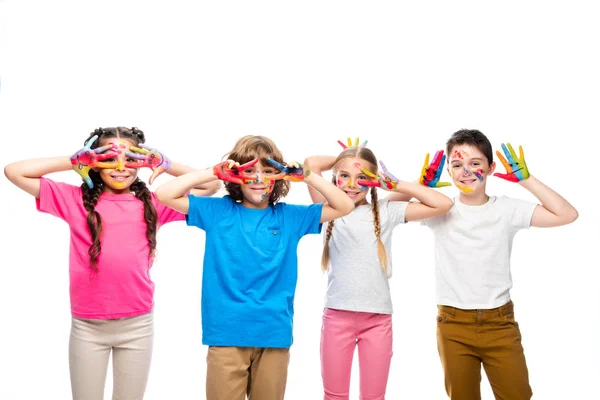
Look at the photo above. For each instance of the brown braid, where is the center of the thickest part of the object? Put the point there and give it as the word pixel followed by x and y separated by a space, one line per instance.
pixel 91 196
pixel 381 253
pixel 325 256
pixel 143 193
pixel 94 222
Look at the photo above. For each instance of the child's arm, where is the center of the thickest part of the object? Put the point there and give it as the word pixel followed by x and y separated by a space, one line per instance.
pixel 174 192
pixel 432 203
pixel 554 210
pixel 337 203
pixel 207 189
pixel 318 164
pixel 26 174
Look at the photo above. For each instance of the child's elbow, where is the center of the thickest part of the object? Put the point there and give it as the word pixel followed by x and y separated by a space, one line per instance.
pixel 10 171
pixel 572 216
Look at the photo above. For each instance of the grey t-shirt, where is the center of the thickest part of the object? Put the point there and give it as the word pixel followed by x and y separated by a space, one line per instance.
pixel 356 280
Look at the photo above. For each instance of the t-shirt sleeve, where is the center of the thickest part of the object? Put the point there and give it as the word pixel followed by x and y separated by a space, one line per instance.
pixel 396 210
pixel 522 212
pixel 58 198
pixel 166 214
pixel 203 211
pixel 304 219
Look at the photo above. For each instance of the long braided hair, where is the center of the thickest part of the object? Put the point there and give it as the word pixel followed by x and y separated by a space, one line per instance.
pixel 367 155
pixel 138 187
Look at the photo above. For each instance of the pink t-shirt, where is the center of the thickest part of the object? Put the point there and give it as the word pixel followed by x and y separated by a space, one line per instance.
pixel 122 287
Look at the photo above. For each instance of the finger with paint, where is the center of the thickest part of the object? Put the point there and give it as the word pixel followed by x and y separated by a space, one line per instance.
pixel 149 157
pixel 363 144
pixel 516 168
pixel 295 171
pixel 231 171
pixel 87 158
pixel 431 173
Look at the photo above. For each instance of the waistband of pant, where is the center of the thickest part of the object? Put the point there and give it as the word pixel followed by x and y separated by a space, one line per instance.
pixel 501 311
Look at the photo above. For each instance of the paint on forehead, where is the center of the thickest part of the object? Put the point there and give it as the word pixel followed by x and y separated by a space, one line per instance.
pixel 457 155
pixel 343 166
pixel 357 165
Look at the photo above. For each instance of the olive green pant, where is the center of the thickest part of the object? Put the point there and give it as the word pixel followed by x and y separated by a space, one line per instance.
pixel 469 338
pixel 234 372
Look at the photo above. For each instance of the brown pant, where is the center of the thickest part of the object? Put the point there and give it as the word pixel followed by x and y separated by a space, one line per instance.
pixel 468 338
pixel 234 372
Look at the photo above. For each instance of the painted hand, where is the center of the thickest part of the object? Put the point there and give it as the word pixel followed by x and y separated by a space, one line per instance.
pixel 295 172
pixel 363 144
pixel 231 171
pixel 385 181
pixel 87 158
pixel 149 157
pixel 431 173
pixel 516 168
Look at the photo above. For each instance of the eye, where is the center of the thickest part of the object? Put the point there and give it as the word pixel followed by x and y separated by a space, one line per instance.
pixel 111 160
pixel 345 176
pixel 268 172
pixel 456 165
pixel 476 164
pixel 129 159
pixel 362 177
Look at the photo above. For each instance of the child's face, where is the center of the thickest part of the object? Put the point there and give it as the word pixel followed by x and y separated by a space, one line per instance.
pixel 469 169
pixel 118 180
pixel 257 193
pixel 347 175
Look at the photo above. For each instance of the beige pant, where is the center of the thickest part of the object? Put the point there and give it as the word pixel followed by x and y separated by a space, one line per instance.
pixel 234 372
pixel 468 339
pixel 92 340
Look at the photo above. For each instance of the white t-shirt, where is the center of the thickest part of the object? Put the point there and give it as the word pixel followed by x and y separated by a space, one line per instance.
pixel 356 280
pixel 472 251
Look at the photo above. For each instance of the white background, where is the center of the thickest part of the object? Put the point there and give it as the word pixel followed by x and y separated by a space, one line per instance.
pixel 196 76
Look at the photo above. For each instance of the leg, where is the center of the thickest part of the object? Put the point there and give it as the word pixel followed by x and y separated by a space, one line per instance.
pixel 374 355
pixel 132 355
pixel 227 372
pixel 89 351
pixel 338 341
pixel 504 361
pixel 457 349
pixel 268 374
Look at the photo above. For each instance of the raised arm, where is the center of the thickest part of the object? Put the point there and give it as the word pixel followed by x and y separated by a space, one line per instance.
pixel 26 174
pixel 337 203
pixel 554 210
pixel 432 203
pixel 207 189
pixel 318 164
pixel 174 192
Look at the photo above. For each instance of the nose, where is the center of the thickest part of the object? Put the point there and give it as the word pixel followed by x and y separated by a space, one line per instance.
pixel 466 172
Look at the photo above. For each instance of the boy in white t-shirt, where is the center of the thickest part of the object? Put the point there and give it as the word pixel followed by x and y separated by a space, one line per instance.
pixel 473 242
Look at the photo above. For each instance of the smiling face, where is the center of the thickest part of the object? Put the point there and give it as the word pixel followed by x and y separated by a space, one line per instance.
pixel 347 175
pixel 256 193
pixel 469 169
pixel 118 180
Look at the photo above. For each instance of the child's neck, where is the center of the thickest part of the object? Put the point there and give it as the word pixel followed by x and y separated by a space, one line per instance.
pixel 473 199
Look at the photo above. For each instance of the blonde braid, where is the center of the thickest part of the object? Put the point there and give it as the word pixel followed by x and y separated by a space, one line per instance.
pixel 381 253
pixel 325 256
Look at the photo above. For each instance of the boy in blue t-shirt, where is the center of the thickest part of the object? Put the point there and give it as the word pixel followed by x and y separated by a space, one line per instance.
pixel 250 263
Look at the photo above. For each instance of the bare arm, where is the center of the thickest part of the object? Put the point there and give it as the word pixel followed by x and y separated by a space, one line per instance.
pixel 318 164
pixel 432 203
pixel 26 174
pixel 337 203
pixel 174 192
pixel 554 210
pixel 207 189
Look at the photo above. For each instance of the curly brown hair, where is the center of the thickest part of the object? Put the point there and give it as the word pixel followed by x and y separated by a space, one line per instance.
pixel 248 148
pixel 91 196
pixel 367 155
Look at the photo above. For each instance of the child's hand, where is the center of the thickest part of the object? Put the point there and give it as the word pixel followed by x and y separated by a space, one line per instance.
pixel 231 171
pixel 295 172
pixel 385 181
pixel 516 168
pixel 87 158
pixel 147 156
pixel 431 173
pixel 363 144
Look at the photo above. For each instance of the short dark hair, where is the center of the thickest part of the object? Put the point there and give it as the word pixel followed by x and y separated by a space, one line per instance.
pixel 471 137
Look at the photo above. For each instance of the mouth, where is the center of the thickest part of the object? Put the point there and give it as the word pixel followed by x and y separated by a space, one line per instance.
pixel 468 181
pixel 352 195
pixel 119 178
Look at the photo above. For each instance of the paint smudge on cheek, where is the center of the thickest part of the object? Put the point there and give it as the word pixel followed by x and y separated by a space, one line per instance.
pixel 479 174
pixel 340 182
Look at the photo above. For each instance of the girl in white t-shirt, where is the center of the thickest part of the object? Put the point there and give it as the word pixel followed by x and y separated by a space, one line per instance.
pixel 358 305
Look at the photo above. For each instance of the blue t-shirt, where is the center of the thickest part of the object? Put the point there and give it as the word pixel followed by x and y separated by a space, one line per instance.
pixel 250 269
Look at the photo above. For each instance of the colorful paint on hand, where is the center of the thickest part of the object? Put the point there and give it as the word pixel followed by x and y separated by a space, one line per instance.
pixel 516 168
pixel 87 158
pixel 431 173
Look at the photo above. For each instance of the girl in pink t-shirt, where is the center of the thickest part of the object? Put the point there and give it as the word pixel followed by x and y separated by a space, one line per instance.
pixel 113 218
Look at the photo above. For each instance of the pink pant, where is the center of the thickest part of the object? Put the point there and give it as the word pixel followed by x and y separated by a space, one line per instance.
pixel 341 332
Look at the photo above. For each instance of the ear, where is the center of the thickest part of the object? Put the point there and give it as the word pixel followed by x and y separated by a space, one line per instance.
pixel 492 168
